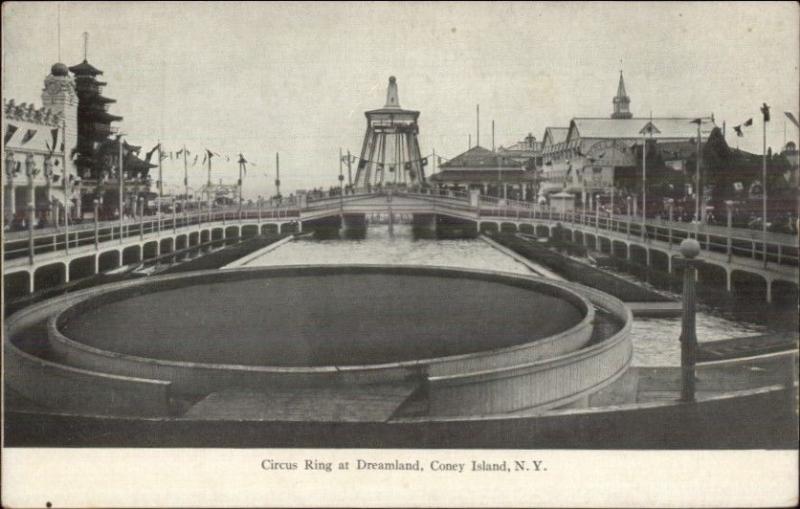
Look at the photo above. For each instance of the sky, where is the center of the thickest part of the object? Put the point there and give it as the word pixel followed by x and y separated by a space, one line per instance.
pixel 296 78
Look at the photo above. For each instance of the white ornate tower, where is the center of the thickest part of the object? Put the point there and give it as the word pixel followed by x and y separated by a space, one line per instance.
pixel 621 101
pixel 59 96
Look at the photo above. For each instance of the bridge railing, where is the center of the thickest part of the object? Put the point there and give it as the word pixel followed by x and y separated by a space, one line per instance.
pixel 97 232
pixel 780 248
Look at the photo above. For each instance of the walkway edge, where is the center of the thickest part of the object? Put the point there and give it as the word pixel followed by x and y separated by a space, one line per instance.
pixel 535 267
pixel 241 262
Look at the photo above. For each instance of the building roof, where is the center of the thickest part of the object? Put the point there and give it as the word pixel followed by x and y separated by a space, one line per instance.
pixel 529 144
pixel 85 68
pixel 631 128
pixel 555 135
pixel 483 175
pixel 479 158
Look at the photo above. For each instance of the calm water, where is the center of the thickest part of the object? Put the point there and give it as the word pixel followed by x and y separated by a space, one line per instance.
pixel 655 340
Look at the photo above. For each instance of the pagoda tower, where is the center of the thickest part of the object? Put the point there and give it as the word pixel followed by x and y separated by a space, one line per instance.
pixel 94 121
pixel 390 153
pixel 621 101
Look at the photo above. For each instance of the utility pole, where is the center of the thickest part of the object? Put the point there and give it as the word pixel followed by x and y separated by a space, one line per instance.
pixel 121 190
pixel 160 189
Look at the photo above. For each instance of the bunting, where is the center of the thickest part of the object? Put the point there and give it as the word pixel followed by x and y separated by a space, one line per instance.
pixel 10 130
pixel 28 136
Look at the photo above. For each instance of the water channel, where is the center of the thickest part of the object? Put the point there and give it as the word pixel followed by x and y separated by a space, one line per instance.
pixel 655 340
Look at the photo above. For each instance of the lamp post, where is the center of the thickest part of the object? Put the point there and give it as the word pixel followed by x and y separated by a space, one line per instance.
pixel 670 204
pixel 140 211
pixel 9 198
pixel 765 112
pixel 689 248
pixel 97 203
pixel 628 219
pixel 729 207
pixel 31 171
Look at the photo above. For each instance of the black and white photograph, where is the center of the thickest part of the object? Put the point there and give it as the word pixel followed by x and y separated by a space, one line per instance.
pixel 400 253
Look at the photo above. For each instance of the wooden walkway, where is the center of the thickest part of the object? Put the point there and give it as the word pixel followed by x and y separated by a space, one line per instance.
pixel 368 403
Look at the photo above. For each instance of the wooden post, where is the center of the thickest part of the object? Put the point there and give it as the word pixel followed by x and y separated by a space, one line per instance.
pixel 690 248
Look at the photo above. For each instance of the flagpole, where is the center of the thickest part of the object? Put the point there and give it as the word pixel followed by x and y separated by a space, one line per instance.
pixel 185 182
pixel 644 184
pixel 160 189
pixel 697 183
pixel 241 163
pixel 121 190
pixel 764 184
pixel 208 183
pixel 349 170
pixel 278 176
pixel 66 184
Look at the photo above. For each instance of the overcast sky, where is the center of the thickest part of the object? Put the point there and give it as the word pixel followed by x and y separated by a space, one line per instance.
pixel 296 78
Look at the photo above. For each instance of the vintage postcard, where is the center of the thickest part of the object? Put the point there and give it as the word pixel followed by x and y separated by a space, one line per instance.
pixel 400 254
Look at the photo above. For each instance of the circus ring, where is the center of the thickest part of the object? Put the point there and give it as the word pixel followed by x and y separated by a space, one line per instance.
pixel 449 343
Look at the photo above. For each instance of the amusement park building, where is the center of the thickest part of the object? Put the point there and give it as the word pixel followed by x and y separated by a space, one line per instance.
pixel 61 156
pixel 594 155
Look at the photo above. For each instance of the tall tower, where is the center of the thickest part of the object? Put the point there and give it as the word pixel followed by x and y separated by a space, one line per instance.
pixel 59 96
pixel 621 101
pixel 390 153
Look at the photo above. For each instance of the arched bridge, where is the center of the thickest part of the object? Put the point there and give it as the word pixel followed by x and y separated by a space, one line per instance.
pixel 43 258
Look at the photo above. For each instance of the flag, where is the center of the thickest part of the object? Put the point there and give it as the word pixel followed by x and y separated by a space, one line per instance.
pixel 178 153
pixel 54 134
pixel 792 118
pixel 10 130
pixel 150 153
pixel 243 162
pixel 195 159
pixel 749 122
pixel 164 155
pixel 210 154
pixel 765 112
pixel 28 136
pixel 738 130
pixel 697 121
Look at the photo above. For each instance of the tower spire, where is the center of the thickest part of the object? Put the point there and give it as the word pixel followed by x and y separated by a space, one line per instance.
pixel 621 101
pixel 392 95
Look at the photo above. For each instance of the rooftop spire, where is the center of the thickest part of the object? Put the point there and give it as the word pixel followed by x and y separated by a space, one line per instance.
pixel 621 101
pixel 621 86
pixel 392 95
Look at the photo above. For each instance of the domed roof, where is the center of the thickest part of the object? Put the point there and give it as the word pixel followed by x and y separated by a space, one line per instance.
pixel 59 69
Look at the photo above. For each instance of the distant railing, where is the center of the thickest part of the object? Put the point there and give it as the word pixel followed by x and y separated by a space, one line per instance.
pixel 778 248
